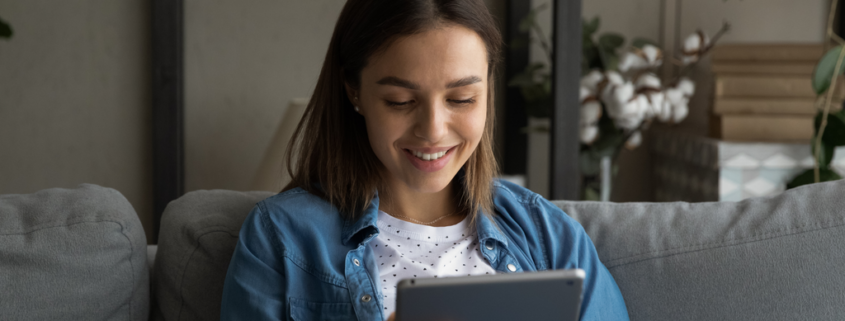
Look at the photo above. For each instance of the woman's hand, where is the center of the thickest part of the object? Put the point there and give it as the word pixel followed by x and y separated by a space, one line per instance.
pixel 392 317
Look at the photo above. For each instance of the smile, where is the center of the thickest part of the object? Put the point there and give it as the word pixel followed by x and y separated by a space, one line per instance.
pixel 428 157
pixel 429 160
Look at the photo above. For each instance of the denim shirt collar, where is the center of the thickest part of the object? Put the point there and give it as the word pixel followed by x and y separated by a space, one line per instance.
pixel 484 225
pixel 366 222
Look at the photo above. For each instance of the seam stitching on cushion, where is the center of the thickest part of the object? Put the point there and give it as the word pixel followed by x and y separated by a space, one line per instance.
pixel 747 240
pixel 62 224
pixel 131 266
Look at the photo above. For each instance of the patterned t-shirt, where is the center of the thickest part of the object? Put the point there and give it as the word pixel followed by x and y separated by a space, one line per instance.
pixel 405 250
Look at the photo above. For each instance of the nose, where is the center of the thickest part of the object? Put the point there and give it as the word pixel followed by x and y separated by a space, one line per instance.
pixel 431 122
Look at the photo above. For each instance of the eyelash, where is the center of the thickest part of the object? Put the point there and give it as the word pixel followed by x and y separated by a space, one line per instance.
pixel 459 102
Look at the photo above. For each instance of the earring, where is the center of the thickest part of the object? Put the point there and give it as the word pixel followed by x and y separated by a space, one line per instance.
pixel 357 110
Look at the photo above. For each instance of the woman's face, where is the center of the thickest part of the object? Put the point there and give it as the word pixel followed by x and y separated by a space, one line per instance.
pixel 424 100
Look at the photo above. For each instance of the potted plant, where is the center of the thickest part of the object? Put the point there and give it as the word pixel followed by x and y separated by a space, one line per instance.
pixel 829 126
pixel 620 94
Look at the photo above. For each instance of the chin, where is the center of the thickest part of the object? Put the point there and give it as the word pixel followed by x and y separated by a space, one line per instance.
pixel 430 184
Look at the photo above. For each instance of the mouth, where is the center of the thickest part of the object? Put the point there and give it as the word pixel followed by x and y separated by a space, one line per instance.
pixel 430 154
pixel 429 160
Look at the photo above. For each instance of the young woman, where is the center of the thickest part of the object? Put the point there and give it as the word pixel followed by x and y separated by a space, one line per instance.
pixel 393 178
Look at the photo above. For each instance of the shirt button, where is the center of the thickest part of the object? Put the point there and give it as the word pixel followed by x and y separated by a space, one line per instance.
pixel 512 267
pixel 366 298
pixel 490 246
pixel 357 263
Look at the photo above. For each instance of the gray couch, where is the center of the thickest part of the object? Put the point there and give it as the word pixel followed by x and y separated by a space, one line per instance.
pixel 81 254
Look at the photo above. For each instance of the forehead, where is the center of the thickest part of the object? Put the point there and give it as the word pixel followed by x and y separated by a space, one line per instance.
pixel 437 55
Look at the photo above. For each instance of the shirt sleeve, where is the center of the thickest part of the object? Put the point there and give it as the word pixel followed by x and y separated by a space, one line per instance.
pixel 569 247
pixel 254 286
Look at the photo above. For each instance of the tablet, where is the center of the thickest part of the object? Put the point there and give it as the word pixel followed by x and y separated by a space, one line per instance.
pixel 546 295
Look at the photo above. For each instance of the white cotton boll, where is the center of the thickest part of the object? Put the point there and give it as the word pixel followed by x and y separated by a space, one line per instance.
pixel 632 108
pixel 634 141
pixel 592 80
pixel 583 92
pixel 590 112
pixel 631 114
pixel 648 80
pixel 614 78
pixel 653 55
pixel 657 99
pixel 615 96
pixel 664 113
pixel 693 42
pixel 686 86
pixel 680 112
pixel 624 92
pixel 675 96
pixel 589 134
pixel 628 123
pixel 631 61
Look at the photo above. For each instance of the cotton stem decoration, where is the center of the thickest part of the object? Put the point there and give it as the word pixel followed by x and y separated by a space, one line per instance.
pixel 620 93
pixel 632 96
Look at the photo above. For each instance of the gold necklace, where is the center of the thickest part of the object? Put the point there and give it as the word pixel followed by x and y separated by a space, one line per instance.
pixel 421 222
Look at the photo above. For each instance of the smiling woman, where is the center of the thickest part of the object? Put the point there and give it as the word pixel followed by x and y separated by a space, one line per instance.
pixel 393 172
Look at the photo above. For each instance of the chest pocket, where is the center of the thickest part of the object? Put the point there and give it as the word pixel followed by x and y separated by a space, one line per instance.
pixel 301 310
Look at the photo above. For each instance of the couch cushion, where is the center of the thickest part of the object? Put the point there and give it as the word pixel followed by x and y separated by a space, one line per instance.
pixel 72 254
pixel 775 258
pixel 196 241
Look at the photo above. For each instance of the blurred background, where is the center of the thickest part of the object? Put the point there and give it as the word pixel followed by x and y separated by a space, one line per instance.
pixel 76 84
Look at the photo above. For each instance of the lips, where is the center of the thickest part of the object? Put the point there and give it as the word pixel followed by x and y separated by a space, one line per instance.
pixel 429 159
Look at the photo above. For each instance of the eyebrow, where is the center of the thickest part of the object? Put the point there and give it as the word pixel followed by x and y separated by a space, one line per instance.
pixel 466 81
pixel 394 81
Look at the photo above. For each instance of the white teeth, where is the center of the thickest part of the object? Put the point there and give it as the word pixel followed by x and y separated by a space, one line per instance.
pixel 432 156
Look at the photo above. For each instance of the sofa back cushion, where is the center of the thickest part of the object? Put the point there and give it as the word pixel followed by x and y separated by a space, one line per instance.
pixel 196 242
pixel 774 258
pixel 72 254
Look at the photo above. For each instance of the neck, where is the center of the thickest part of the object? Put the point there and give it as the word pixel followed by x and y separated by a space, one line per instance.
pixel 409 205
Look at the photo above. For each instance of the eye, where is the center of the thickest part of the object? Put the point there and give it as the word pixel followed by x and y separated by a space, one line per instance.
pixel 462 102
pixel 397 103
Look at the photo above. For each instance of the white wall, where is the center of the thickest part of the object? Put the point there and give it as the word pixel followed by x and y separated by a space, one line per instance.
pixel 244 62
pixel 75 97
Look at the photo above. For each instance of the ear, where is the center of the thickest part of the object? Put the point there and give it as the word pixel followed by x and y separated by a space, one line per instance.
pixel 351 94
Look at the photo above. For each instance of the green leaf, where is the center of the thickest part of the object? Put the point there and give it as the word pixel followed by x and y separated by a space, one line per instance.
pixel 592 26
pixel 610 60
pixel 834 131
pixel 641 42
pixel 589 163
pixel 526 23
pixel 5 29
pixel 808 177
pixel 520 42
pixel 824 70
pixel 826 155
pixel 611 41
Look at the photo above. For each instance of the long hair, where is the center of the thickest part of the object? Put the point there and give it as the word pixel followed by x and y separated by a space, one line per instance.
pixel 330 155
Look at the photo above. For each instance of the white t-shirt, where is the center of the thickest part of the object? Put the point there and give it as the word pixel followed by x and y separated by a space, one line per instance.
pixel 404 250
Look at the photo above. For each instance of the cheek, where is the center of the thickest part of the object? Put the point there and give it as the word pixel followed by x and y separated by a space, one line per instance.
pixel 382 133
pixel 471 125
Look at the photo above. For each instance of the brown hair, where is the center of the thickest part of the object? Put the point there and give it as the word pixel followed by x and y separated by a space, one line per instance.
pixel 333 154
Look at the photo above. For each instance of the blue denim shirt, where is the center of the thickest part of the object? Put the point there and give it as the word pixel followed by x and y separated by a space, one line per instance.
pixel 298 259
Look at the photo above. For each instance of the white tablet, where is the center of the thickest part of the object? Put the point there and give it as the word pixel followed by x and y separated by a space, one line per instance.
pixel 546 295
